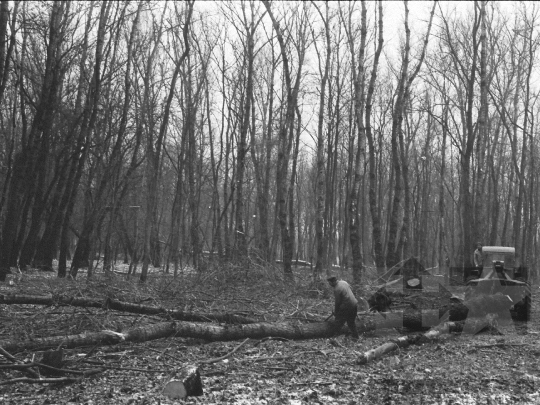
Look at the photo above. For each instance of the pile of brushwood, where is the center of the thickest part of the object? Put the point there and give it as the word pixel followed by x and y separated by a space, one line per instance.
pixel 238 336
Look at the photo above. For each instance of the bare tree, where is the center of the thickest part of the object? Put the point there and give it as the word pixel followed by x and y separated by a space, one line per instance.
pixel 320 182
pixel 155 147
pixel 285 135
pixel 397 245
pixel 30 163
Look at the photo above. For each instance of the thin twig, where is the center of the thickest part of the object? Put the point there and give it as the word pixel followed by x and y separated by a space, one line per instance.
pixel 49 380
pixel 141 370
pixel 271 338
pixel 10 357
pixel 211 361
pixel 23 366
pixel 162 353
pixel 266 358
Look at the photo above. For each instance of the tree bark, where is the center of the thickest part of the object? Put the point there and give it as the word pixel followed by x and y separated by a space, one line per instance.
pixel 359 108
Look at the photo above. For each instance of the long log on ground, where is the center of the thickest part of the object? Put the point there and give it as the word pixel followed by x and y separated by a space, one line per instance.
pixel 50 300
pixel 210 332
pixel 431 335
pixel 178 315
pixel 415 320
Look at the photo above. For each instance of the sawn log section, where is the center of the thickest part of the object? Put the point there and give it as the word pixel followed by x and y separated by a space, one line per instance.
pixel 413 320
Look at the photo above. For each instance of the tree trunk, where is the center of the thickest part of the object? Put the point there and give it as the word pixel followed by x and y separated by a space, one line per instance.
pixel 397 243
pixel 286 137
pixel 31 162
pixel 358 148
pixel 393 255
pixel 93 215
pixel 240 232
pixel 152 248
pixel 375 209
pixel 319 183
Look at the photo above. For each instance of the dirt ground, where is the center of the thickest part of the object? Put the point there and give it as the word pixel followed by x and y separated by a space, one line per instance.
pixel 500 366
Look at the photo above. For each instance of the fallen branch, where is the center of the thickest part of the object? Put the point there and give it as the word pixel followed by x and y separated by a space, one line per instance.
pixel 49 380
pixel 139 370
pixel 10 357
pixel 24 366
pixel 502 344
pixel 211 361
pixel 431 335
pixel 109 303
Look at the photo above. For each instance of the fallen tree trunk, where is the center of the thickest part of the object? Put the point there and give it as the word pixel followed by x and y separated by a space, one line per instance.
pixel 414 320
pixel 177 329
pixel 177 315
pixel 50 300
pixel 210 332
pixel 431 335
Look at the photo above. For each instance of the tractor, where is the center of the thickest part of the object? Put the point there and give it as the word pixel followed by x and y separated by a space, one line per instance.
pixel 498 274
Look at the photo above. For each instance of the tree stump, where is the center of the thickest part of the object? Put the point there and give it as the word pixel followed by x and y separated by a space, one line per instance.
pixel 187 383
pixel 52 358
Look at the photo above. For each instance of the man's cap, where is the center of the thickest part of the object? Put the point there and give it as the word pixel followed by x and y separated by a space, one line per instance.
pixel 332 278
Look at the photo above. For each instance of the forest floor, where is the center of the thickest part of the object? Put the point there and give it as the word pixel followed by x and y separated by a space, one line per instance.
pixel 497 367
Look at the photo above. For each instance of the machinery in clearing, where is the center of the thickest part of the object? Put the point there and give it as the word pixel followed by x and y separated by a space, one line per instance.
pixel 499 274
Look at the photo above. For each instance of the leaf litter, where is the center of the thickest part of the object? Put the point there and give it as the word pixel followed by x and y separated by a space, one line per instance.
pixel 489 368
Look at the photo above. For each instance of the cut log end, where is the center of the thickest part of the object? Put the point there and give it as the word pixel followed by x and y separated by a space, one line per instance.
pixel 414 283
pixel 187 384
pixel 175 389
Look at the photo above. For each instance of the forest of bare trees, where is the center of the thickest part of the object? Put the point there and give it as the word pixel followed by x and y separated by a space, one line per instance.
pixel 169 134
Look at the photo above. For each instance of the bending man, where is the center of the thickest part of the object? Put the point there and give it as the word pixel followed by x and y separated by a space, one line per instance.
pixel 346 305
